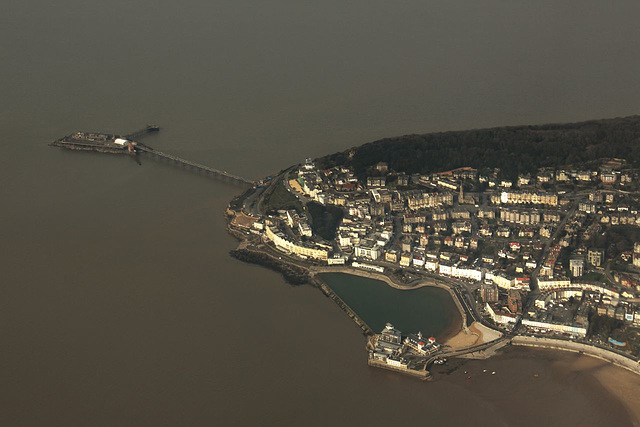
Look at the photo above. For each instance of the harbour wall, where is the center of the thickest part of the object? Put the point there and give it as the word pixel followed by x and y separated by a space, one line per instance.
pixel 343 305
pixel 423 375
pixel 600 353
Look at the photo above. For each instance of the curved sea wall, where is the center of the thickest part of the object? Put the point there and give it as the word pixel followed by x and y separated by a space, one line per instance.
pixel 600 353
pixel 377 276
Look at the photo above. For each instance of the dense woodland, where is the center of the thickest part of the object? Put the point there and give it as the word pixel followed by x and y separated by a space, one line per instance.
pixel 617 239
pixel 514 149
pixel 324 219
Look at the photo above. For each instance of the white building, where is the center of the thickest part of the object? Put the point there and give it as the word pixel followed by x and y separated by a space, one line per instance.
pixel 371 252
pixel 500 317
pixel 445 269
pixel 431 264
pixel 500 279
pixel 576 265
pixel 369 267
pixel 336 259
pixel 468 273
pixel 296 248
pixel 544 284
pixel 304 229
pixel 556 327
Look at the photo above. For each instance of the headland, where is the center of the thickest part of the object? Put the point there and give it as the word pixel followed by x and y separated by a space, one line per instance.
pixel 540 253
pixel 534 231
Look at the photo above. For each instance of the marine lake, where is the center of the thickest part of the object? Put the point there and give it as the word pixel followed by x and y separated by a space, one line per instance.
pixel 429 310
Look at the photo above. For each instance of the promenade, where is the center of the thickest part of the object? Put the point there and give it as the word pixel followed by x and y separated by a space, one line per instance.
pixel 576 347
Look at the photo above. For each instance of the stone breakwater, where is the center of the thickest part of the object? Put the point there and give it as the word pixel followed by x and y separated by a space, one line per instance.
pixel 344 306
pixel 293 274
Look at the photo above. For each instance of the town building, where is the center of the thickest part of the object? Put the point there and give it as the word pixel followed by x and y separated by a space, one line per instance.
pixel 500 316
pixel 523 217
pixel 525 198
pixel 391 256
pixel 576 265
pixel 420 344
pixel 489 292
pixel 636 254
pixel 376 181
pixel 595 257
pixel 514 301
pixel 369 250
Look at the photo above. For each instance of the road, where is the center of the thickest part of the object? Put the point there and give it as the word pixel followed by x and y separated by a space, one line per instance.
pixel 535 291
pixel 253 203
pixel 552 239
pixel 250 205
pixel 607 272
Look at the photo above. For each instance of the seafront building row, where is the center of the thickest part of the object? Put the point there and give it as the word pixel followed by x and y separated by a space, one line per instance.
pixel 297 248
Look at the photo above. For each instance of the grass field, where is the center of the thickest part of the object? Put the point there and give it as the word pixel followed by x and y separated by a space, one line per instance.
pixel 281 198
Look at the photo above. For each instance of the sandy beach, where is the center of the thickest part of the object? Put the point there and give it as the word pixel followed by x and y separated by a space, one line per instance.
pixel 477 333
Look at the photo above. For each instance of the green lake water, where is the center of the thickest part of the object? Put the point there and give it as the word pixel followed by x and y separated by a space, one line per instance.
pixel 428 310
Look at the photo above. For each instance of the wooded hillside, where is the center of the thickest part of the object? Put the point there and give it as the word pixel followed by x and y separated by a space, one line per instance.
pixel 513 149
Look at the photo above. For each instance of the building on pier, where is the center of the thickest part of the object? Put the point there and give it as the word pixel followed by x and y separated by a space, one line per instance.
pixel 420 344
pixel 388 346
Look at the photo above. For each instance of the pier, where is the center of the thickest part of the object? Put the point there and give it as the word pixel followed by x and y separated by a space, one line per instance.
pixel 194 166
pixel 142 132
pixel 128 144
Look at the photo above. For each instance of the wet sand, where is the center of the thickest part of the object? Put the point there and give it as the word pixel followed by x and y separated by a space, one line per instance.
pixel 546 387
pixel 621 383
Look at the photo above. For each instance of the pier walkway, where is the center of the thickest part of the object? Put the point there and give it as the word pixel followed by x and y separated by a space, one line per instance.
pixel 142 132
pixel 216 172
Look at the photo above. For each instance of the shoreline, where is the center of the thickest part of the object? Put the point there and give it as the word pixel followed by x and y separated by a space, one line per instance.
pixel 457 337
pixel 610 357
pixel 460 337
